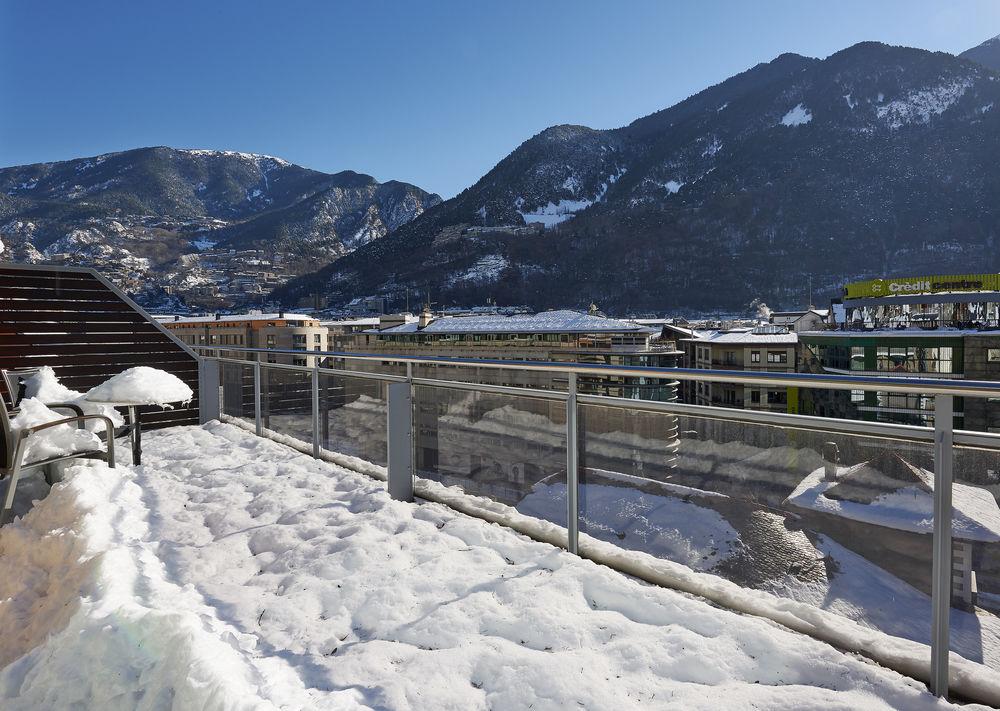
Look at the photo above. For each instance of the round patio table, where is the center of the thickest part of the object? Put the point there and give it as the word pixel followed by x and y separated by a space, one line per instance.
pixel 134 427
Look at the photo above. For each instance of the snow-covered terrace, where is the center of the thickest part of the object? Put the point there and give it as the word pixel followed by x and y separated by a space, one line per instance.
pixel 235 571
pixel 232 572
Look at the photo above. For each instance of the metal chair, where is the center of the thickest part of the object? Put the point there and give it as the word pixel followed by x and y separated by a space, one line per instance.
pixel 14 445
pixel 14 380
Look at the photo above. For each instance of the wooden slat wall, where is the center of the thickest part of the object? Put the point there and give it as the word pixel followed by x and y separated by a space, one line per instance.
pixel 87 333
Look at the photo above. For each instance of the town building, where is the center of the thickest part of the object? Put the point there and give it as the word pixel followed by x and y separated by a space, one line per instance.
pixel 342 335
pixel 560 336
pixel 937 326
pixel 765 348
pixel 278 331
pixel 809 320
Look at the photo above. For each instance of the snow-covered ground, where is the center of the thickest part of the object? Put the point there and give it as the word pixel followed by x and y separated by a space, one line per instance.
pixel 233 572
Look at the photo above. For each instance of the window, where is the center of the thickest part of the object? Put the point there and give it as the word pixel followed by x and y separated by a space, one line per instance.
pixel 299 361
pixel 270 340
pixel 755 358
pixel 857 357
pixel 777 357
pixel 755 396
pixel 993 355
pixel 299 339
pixel 777 397
pixel 730 358
pixel 317 338
pixel 729 396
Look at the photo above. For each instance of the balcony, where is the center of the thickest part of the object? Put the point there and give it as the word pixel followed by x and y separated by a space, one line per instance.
pixel 265 548
pixel 733 491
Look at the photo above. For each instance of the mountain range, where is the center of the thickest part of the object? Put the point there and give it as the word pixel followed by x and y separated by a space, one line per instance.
pixel 188 222
pixel 798 172
pixel 780 184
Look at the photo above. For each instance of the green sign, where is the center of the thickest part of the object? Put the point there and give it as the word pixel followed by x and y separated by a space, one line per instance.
pixel 922 285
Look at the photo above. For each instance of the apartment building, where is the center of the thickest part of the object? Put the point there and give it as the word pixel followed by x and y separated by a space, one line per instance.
pixel 560 336
pixel 944 327
pixel 278 331
pixel 765 348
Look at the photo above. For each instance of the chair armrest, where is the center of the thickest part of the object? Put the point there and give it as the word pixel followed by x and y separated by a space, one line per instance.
pixel 65 421
pixel 28 431
pixel 75 409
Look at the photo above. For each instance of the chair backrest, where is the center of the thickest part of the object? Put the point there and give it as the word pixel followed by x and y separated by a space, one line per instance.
pixel 6 439
pixel 13 378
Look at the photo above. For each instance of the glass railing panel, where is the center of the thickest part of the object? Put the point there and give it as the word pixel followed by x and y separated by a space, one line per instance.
pixel 286 402
pixel 236 385
pixel 352 417
pixel 509 377
pixel 382 367
pixel 508 448
pixel 839 522
pixel 975 611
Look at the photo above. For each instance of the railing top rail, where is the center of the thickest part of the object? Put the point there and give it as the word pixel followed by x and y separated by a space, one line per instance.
pixel 896 384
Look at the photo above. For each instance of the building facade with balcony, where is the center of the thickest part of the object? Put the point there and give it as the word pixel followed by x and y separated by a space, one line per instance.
pixel 558 336
pixel 944 327
pixel 279 331
pixel 765 348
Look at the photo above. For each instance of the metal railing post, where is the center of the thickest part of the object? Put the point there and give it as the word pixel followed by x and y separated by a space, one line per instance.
pixel 399 437
pixel 258 417
pixel 208 389
pixel 941 566
pixel 572 470
pixel 315 407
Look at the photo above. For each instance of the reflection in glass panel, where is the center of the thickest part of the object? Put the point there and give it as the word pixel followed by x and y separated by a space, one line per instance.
pixel 840 522
pixel 237 391
pixel 352 414
pixel 286 402
pixel 510 449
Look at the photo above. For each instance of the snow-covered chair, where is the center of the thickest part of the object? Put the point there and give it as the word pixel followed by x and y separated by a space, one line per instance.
pixel 14 379
pixel 42 383
pixel 15 442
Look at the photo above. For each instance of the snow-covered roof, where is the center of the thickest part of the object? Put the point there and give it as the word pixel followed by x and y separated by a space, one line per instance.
pixel 372 321
pixel 546 322
pixel 746 337
pixel 976 515
pixel 240 317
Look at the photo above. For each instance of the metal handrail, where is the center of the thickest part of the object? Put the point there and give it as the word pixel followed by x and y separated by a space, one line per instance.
pixel 917 386
pixel 943 436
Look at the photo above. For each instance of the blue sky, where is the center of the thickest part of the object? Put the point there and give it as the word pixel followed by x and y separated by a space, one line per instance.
pixel 434 93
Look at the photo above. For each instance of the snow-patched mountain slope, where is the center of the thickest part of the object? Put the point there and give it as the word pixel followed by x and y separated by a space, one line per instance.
pixel 231 572
pixel 987 53
pixel 876 158
pixel 158 204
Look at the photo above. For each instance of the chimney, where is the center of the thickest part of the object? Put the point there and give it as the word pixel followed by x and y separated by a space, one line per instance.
pixel 281 313
pixel 176 318
pixel 218 317
pixel 425 317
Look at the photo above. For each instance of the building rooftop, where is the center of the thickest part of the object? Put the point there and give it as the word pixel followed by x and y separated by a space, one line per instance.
pixel 911 332
pixel 761 335
pixel 212 318
pixel 546 322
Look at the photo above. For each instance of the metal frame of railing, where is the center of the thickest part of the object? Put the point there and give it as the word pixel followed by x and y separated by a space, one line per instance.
pixel 942 436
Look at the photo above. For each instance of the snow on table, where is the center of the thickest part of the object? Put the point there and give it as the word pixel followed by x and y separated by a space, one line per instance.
pixel 233 572
pixel 142 386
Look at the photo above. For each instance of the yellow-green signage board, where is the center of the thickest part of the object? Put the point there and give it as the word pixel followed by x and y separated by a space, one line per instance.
pixel 922 285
